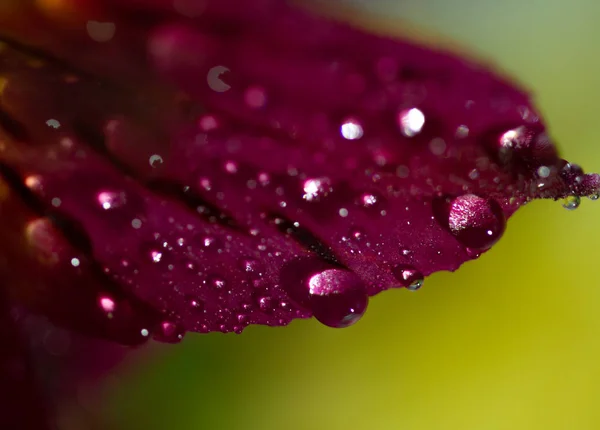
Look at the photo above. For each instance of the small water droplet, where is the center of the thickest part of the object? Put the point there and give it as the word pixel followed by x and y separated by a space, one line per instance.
pixel 169 332
pixel 351 130
pixel 408 276
pixel 265 304
pixel 155 161
pixel 543 172
pixel 315 189
pixel 255 97
pixel 107 305
pixel 111 200
pixel 594 196
pixel 231 167
pixel 571 202
pixel 196 304
pixel 215 282
pixel 250 266
pixel 357 233
pixel 369 200
pixel 53 123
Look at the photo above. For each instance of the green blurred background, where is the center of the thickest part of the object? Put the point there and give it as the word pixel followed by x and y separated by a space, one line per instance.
pixel 509 342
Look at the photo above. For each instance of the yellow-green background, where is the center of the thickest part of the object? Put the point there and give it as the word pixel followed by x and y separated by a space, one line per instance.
pixel 511 341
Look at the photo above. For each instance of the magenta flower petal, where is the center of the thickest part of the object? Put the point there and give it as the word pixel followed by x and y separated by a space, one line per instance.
pixel 219 166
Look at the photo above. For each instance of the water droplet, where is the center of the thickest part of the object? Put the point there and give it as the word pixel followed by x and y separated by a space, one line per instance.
pixel 250 266
pixel 255 97
pixel 337 297
pixel 196 304
pixel 155 161
pixel 351 130
pixel 437 146
pixel 543 172
pixel 53 123
pixel 409 277
pixel 231 167
pixel 215 282
pixel 214 80
pixel 265 304
pixel 107 305
pixel 314 189
pixel 369 200
pixel 169 332
pixel 111 200
pixel 357 233
pixel 594 196
pixel 411 122
pixel 208 122
pixel 571 202
pixel 476 222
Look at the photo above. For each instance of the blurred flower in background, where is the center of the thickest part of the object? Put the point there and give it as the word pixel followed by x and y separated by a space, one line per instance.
pixel 510 342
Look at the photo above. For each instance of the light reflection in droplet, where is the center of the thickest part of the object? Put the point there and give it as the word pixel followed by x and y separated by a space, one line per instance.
pixel 411 122
pixel 351 130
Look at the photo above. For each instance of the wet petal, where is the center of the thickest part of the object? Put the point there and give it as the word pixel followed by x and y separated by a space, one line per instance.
pixel 220 166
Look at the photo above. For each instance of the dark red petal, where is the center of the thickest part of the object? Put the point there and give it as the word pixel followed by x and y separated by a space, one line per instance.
pixel 47 267
pixel 21 405
pixel 227 167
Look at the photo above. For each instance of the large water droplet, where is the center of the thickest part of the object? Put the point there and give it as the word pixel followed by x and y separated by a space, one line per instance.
pixel 337 297
pixel 476 222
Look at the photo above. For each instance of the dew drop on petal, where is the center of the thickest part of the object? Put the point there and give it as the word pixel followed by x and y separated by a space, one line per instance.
pixel 196 304
pixel 155 161
pixel 255 97
pixel 316 188
pixel 213 78
pixel 409 277
pixel 571 202
pixel 169 332
pixel 411 122
pixel 265 304
pixel 111 200
pixel 351 130
pixel 476 222
pixel 53 123
pixel 337 297
pixel 107 305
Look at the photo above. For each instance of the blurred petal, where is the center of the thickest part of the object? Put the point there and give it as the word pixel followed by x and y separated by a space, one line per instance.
pixel 21 405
